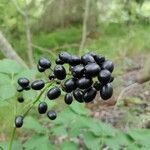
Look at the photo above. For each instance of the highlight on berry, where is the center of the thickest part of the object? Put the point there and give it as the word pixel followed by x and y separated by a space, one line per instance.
pixel 81 78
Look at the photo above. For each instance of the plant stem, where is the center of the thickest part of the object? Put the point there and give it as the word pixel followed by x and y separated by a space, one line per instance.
pixel 34 102
pixel 12 137
pixel 37 99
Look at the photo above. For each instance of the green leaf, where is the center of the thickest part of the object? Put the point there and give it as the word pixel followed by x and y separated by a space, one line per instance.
pixel 16 145
pixel 101 129
pixel 7 91
pixel 33 124
pixel 66 117
pixel 91 141
pixel 79 108
pixel 121 139
pixel 79 125
pixel 38 142
pixel 68 145
pixel 28 73
pixel 10 66
pixel 4 79
pixel 59 130
pixel 141 136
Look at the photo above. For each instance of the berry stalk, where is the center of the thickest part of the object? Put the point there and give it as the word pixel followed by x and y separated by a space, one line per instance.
pixel 25 113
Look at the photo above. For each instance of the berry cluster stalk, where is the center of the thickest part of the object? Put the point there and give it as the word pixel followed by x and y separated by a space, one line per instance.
pixel 34 102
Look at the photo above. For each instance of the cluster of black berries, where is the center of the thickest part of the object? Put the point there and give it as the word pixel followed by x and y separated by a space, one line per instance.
pixel 86 76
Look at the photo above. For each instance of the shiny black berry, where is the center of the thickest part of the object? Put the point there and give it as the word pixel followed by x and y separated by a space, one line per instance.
pixel 19 89
pixel 108 65
pixel 23 82
pixel 40 69
pixel 44 63
pixel 53 93
pixel 104 76
pixel 20 99
pixel 51 114
pixel 84 83
pixel 92 69
pixel 42 107
pixel 87 58
pixel 27 88
pixel 78 71
pixel 51 77
pixel 74 60
pixel 78 95
pixel 69 85
pixel 89 95
pixel 37 85
pixel 60 72
pixel 65 57
pixel 58 61
pixel 106 91
pixel 68 98
pixel 99 59
pixel 19 121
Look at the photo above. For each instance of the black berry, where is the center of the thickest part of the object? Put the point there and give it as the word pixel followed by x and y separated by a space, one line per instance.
pixel 44 63
pixel 69 85
pixel 68 98
pixel 74 60
pixel 19 89
pixel 42 107
pixel 51 114
pixel 78 95
pixel 65 57
pixel 40 69
pixel 20 99
pixel 84 83
pixel 51 77
pixel 89 95
pixel 37 85
pixel 58 61
pixel 92 69
pixel 108 65
pixel 60 72
pixel 87 58
pixel 23 82
pixel 104 76
pixel 19 121
pixel 106 91
pixel 27 88
pixel 53 93
pixel 99 59
pixel 78 71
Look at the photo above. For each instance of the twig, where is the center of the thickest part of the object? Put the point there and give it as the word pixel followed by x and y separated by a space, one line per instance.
pixel 84 27
pixel 123 91
pixel 28 31
pixel 29 37
pixel 44 49
pixel 18 8
pixel 52 51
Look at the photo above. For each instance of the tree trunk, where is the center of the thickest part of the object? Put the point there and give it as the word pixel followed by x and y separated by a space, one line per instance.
pixel 8 51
